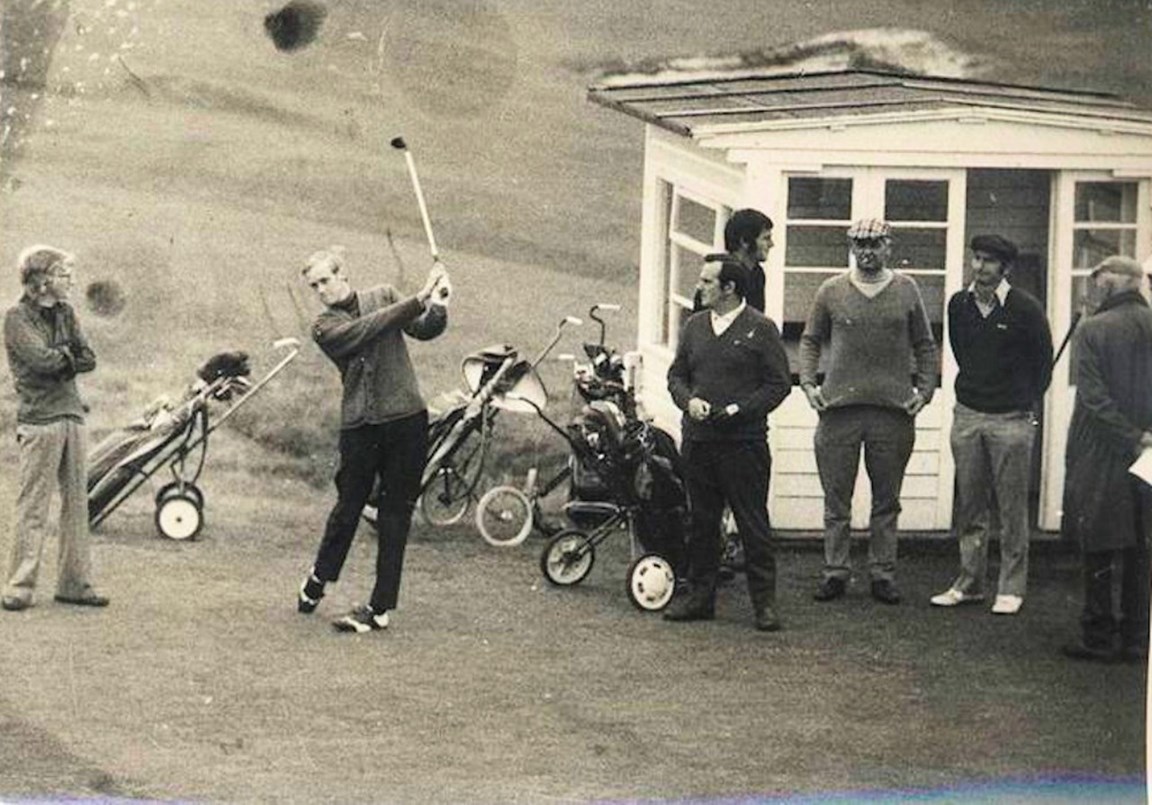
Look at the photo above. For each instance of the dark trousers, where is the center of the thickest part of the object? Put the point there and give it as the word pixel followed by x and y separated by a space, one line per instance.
pixel 394 451
pixel 736 473
pixel 1098 622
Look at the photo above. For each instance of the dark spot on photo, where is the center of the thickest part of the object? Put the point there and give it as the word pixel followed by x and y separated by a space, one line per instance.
pixel 295 25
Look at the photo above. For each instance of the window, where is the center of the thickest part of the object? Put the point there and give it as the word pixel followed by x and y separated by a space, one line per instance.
pixel 695 229
pixel 819 212
pixel 1104 224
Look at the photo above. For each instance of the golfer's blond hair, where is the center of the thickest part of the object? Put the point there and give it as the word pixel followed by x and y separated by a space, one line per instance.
pixel 37 262
pixel 333 256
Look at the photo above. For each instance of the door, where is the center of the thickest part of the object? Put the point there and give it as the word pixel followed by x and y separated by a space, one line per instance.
pixel 926 210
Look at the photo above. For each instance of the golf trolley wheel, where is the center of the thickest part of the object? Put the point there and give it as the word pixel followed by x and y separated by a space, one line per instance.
pixel 179 517
pixel 568 557
pixel 446 498
pixel 504 516
pixel 172 488
pixel 651 582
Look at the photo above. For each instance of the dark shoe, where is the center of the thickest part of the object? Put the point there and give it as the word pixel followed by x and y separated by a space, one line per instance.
pixel 830 589
pixel 691 607
pixel 311 591
pixel 767 620
pixel 87 599
pixel 362 619
pixel 885 592
pixel 14 604
pixel 1082 651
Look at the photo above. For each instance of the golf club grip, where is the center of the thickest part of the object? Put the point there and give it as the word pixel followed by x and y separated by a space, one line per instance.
pixel 423 206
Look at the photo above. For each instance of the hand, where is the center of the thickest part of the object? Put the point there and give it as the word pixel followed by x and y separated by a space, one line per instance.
pixel 815 398
pixel 437 273
pixel 1146 440
pixel 699 409
pixel 442 293
pixel 916 403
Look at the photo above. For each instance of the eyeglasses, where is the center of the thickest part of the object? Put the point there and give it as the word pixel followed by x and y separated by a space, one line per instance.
pixel 869 243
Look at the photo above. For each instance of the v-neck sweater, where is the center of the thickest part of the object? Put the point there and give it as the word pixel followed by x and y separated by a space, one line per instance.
pixel 874 350
pixel 1005 358
pixel 745 365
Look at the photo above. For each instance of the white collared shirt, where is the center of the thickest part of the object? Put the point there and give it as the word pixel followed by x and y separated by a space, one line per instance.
pixel 720 324
pixel 1001 294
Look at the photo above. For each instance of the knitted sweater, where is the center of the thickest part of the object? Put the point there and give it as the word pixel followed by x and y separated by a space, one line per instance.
pixel 1005 359
pixel 366 342
pixel 745 365
pixel 871 347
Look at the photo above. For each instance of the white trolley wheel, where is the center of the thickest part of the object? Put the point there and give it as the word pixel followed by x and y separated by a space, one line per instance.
pixel 172 488
pixel 179 517
pixel 651 582
pixel 445 500
pixel 567 558
pixel 504 516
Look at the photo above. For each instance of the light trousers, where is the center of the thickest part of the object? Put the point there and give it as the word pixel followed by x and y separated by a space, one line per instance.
pixel 993 455
pixel 52 459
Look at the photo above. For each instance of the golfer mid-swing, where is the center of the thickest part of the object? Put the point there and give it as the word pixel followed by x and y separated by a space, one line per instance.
pixel 384 422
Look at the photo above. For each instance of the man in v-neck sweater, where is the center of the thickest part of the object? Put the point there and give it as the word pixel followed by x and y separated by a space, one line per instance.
pixel 729 372
pixel 1003 346
pixel 871 329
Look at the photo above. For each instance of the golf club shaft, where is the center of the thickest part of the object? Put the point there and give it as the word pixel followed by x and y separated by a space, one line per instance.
pixel 423 206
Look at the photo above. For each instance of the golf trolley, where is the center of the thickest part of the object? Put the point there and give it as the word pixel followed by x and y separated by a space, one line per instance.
pixel 460 432
pixel 167 436
pixel 507 514
pixel 633 467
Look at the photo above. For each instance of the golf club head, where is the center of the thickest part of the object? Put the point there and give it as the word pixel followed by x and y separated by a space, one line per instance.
pixel 399 144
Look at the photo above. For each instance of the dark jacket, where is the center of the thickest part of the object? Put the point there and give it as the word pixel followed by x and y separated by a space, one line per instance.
pixel 746 365
pixel 46 350
pixel 1113 376
pixel 366 342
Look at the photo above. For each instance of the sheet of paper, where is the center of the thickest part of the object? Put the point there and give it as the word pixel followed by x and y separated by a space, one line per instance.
pixel 1142 468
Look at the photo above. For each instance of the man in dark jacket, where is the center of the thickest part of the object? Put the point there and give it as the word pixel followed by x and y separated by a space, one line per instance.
pixel 46 350
pixel 1106 508
pixel 384 423
pixel 1003 346
pixel 729 372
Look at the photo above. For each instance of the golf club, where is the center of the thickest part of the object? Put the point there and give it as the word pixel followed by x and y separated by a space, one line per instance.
pixel 399 144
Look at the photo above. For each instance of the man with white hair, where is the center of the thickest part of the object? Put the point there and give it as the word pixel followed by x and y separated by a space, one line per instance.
pixel 46 350
pixel 383 423
pixel 1106 508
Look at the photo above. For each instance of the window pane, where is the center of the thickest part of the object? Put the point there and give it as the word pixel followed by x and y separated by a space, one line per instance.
pixel 817 247
pixel 1090 246
pixel 695 220
pixel 688 271
pixel 919 248
pixel 799 293
pixel 822 199
pixel 1114 202
pixel 915 200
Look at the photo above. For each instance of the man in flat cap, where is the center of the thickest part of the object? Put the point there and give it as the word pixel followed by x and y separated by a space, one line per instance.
pixel 1106 508
pixel 870 326
pixel 46 351
pixel 1003 347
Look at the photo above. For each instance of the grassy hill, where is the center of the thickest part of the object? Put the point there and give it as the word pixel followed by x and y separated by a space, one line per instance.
pixel 179 153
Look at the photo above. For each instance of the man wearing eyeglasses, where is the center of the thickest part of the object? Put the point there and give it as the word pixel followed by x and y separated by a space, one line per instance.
pixel 870 326
pixel 46 350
